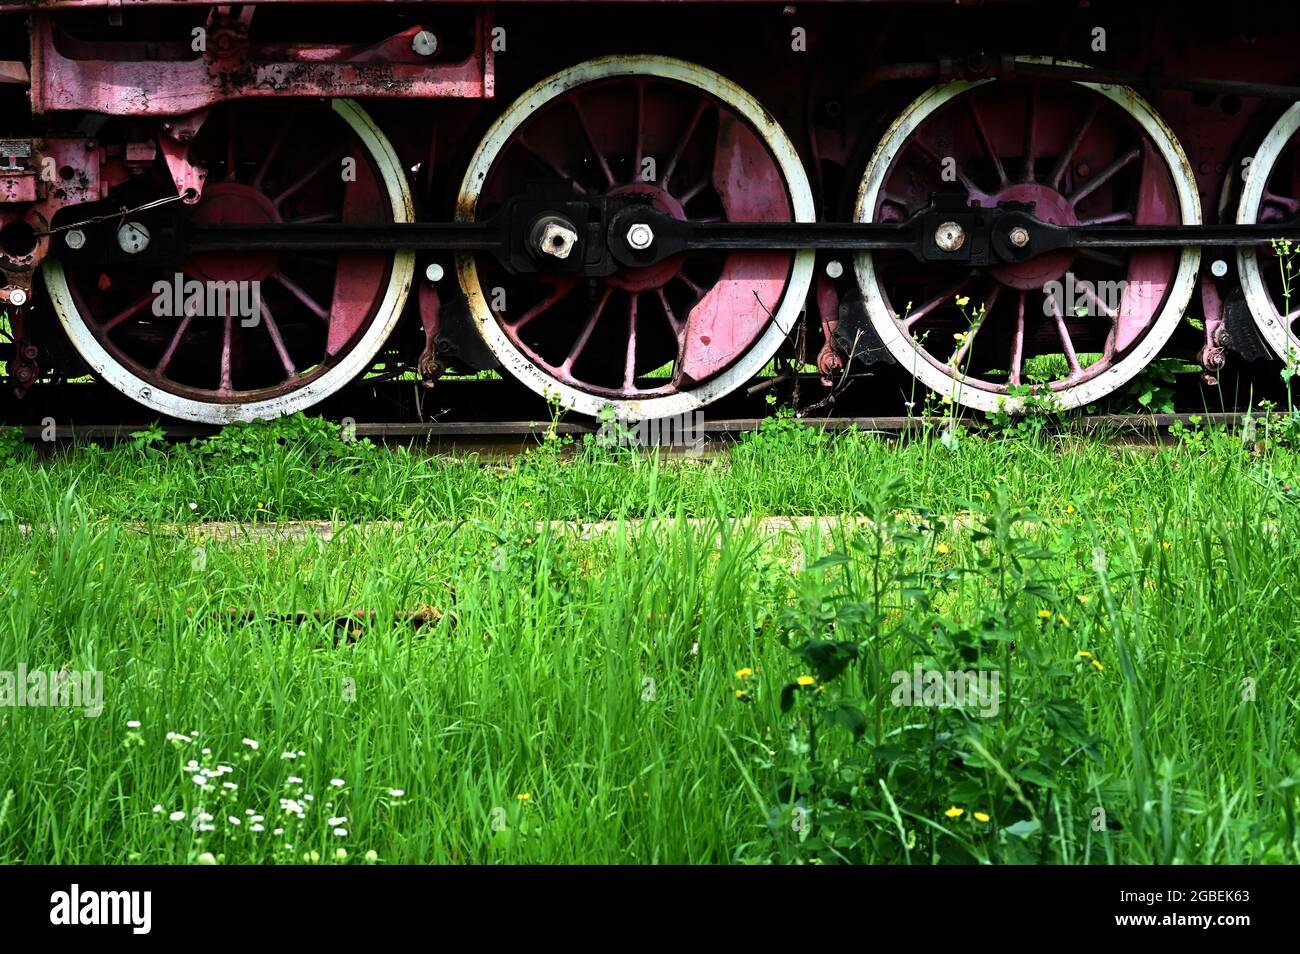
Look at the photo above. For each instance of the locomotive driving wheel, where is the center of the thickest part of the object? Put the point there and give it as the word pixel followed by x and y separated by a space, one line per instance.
pixel 656 340
pixel 1075 324
pixel 1271 194
pixel 244 335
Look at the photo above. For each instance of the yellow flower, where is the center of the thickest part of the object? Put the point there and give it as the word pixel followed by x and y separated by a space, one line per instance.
pixel 1165 544
pixel 1098 666
pixel 1083 597
pixel 958 337
pixel 740 693
pixel 1044 614
pixel 260 506
pixel 981 818
pixel 744 673
pixel 941 548
pixel 962 301
pixel 1069 508
pixel 1083 654
pixel 806 680
pixel 524 796
pixel 955 812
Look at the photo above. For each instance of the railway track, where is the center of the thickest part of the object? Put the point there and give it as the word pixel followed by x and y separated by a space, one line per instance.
pixel 513 436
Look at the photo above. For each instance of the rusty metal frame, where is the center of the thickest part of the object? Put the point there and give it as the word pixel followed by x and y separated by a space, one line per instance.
pixel 100 82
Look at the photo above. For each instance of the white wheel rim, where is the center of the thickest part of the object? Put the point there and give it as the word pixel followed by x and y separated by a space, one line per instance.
pixel 355 362
pixel 796 182
pixel 969 393
pixel 1268 319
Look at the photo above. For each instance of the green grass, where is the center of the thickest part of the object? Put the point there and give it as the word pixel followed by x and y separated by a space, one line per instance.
pixel 597 673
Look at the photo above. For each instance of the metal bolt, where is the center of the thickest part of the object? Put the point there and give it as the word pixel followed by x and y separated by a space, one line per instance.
pixel 75 238
pixel 834 269
pixel 1218 268
pixel 424 43
pixel 18 297
pixel 145 393
pixel 1019 236
pixel 133 238
pixel 949 237
pixel 433 272
pixel 640 236
pixel 554 237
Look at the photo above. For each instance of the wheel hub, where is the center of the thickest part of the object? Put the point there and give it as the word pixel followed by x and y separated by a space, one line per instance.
pixel 233 203
pixel 1049 206
pixel 661 273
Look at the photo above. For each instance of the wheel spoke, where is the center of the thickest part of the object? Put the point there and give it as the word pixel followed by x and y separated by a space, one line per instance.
pixel 1097 303
pixel 591 140
pixel 696 289
pixel 1018 341
pixel 1111 218
pixel 271 154
pixel 307 177
pixel 161 367
pixel 693 191
pixel 916 314
pixel 317 309
pixel 1063 162
pixel 562 287
pixel 576 351
pixel 1101 178
pixel 547 164
pixel 673 321
pixel 985 142
pixel 683 143
pixel 126 313
pixel 933 158
pixel 274 331
pixel 226 340
pixel 1067 345
pixel 639 120
pixel 629 364
pixel 1031 134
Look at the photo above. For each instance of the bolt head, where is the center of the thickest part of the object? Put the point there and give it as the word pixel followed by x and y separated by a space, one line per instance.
pixel 1218 268
pixel 640 236
pixel 949 237
pixel 557 240
pixel 18 297
pixel 434 272
pixel 424 43
pixel 834 269
pixel 75 238
pixel 1019 236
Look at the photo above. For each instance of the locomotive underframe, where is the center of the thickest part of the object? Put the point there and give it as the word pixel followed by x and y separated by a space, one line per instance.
pixel 166 91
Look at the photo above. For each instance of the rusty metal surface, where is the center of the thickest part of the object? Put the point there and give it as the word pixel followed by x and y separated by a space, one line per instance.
pixel 103 77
